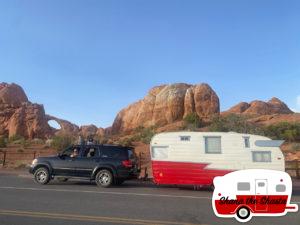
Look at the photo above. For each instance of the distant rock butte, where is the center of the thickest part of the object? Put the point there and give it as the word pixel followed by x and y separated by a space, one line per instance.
pixel 273 106
pixel 167 104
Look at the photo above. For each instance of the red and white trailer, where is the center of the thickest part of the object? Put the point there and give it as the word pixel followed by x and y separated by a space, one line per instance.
pixel 255 192
pixel 195 158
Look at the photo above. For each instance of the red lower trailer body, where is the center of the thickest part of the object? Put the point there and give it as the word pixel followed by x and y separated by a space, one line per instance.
pixel 185 173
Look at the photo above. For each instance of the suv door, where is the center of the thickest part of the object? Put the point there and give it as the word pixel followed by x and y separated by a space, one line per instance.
pixel 87 161
pixel 65 165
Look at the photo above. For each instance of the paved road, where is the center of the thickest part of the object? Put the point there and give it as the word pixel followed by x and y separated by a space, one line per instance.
pixel 22 202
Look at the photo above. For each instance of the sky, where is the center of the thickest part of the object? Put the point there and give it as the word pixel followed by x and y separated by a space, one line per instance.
pixel 85 60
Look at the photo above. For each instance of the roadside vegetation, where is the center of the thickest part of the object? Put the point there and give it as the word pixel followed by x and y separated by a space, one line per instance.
pixel 62 141
pixel 3 142
pixel 192 122
pixel 236 123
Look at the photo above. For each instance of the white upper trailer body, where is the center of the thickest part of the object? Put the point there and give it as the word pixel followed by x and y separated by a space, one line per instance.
pixel 195 158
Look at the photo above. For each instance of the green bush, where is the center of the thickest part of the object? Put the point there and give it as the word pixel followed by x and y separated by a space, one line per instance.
pixel 143 134
pixel 3 143
pixel 284 130
pixel 25 143
pixel 126 142
pixel 15 139
pixel 61 142
pixel 192 121
pixel 234 123
pixel 38 141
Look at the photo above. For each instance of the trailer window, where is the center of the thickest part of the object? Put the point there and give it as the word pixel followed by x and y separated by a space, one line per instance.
pixel 243 186
pixel 160 152
pixel 280 188
pixel 212 145
pixel 247 142
pixel 261 156
pixel 185 138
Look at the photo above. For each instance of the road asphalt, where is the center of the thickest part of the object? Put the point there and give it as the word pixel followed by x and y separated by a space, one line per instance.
pixel 23 202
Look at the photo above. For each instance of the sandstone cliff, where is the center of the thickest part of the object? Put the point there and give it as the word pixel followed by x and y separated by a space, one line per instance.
pixel 166 104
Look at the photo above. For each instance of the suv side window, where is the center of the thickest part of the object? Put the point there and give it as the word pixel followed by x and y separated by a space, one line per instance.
pixel 69 152
pixel 90 152
pixel 113 153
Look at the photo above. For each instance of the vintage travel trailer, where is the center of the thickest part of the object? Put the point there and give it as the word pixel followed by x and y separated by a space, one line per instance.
pixel 255 192
pixel 195 158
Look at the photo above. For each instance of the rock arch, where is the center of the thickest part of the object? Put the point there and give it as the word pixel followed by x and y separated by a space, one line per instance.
pixel 66 126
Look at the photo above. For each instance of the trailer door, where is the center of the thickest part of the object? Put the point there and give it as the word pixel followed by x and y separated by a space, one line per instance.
pixel 261 190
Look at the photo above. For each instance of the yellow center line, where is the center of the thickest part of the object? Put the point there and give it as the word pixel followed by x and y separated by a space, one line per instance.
pixel 88 218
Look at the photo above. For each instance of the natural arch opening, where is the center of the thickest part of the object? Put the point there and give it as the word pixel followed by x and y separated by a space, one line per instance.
pixel 54 124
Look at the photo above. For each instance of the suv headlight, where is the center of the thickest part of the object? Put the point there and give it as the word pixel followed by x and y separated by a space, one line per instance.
pixel 34 162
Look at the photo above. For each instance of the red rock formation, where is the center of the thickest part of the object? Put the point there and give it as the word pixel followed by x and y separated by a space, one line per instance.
pixel 88 130
pixel 167 104
pixel 273 106
pixel 66 126
pixel 12 94
pixel 20 117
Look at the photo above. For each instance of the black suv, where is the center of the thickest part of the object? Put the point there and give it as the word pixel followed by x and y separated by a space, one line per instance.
pixel 106 164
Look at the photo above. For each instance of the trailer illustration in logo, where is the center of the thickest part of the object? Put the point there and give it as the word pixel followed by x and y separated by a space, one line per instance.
pixel 254 192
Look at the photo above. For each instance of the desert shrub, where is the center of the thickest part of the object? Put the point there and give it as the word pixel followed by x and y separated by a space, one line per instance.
pixel 295 147
pixel 3 143
pixel 235 123
pixel 143 134
pixel 38 141
pixel 192 121
pixel 15 139
pixel 62 141
pixel 284 130
pixel 126 142
pixel 25 143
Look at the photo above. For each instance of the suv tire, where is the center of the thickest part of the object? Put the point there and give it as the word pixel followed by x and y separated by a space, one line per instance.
pixel 42 175
pixel 104 178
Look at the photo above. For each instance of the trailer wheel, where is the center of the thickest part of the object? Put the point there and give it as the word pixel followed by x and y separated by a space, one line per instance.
pixel 243 213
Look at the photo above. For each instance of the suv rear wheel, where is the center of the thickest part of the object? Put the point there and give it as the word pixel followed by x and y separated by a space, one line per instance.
pixel 104 178
pixel 41 175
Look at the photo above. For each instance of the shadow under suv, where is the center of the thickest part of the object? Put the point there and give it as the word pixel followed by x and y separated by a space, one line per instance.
pixel 106 164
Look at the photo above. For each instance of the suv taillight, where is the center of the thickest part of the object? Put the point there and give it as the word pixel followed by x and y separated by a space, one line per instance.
pixel 127 163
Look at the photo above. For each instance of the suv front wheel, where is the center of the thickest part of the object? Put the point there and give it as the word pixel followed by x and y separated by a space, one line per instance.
pixel 104 178
pixel 41 175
